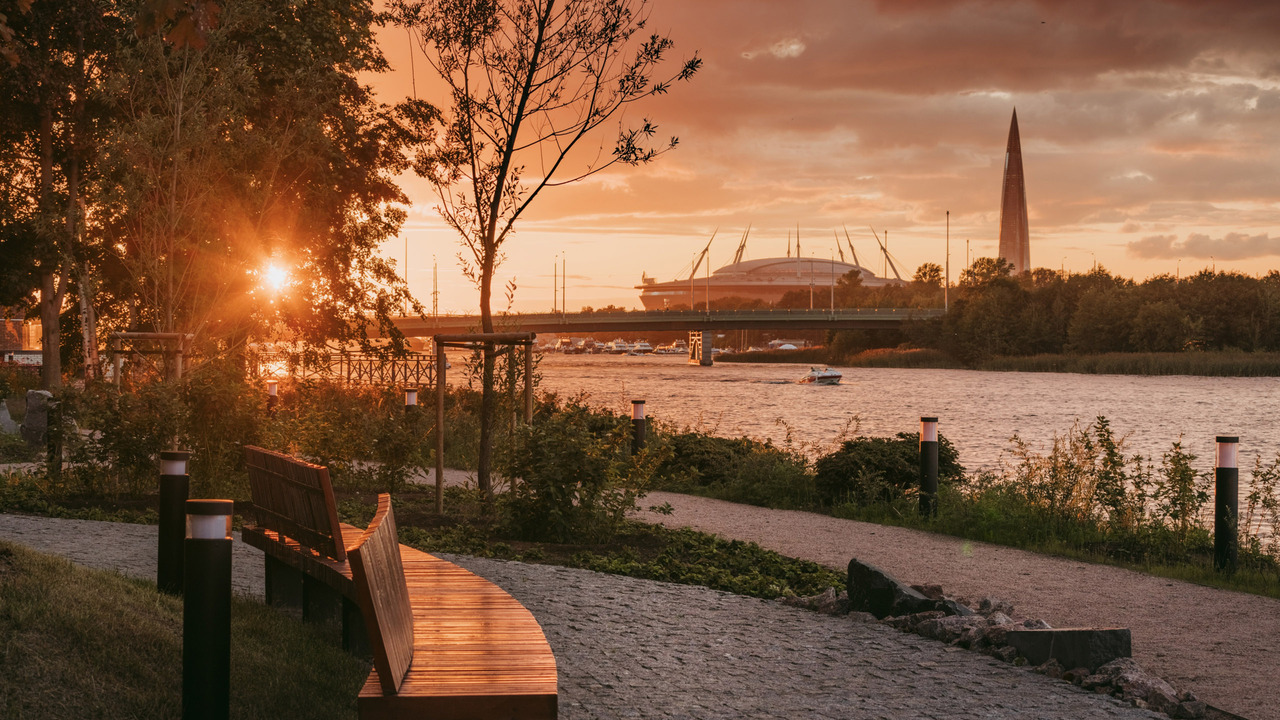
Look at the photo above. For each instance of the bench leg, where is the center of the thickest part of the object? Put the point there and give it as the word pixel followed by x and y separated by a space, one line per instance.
pixel 355 638
pixel 322 607
pixel 284 587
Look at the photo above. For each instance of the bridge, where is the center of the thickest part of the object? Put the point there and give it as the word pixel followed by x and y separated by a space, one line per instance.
pixel 687 320
pixel 700 324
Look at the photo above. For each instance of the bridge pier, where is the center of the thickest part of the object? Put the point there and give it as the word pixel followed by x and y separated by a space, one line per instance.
pixel 700 347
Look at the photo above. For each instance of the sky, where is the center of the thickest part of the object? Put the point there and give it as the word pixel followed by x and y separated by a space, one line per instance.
pixel 1150 138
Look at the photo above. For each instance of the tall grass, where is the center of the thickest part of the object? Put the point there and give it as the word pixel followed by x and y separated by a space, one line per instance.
pixel 1211 363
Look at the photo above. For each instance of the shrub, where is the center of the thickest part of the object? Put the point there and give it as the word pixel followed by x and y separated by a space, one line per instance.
pixel 573 478
pixel 869 470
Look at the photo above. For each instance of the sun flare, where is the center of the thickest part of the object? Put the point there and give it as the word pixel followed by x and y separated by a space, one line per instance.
pixel 275 277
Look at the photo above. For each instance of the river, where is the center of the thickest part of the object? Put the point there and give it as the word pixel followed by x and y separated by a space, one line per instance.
pixel 977 411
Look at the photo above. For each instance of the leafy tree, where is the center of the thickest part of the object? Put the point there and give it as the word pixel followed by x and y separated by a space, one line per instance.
pixel 530 83
pixel 929 275
pixel 262 148
pixel 59 55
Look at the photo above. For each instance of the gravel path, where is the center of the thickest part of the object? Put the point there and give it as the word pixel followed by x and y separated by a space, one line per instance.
pixel 1218 643
pixel 628 648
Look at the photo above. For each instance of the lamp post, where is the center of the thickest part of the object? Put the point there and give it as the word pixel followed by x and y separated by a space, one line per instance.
pixel 175 485
pixel 410 399
pixel 928 466
pixel 206 613
pixel 1226 501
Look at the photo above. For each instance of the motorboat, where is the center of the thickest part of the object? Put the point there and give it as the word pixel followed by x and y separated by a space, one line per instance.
pixel 640 347
pixel 617 347
pixel 825 376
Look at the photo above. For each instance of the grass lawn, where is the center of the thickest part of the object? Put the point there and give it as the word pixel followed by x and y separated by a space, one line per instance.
pixel 79 643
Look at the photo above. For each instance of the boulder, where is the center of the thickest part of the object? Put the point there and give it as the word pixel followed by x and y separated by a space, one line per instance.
pixel 7 425
pixel 1072 647
pixel 36 422
pixel 879 593
pixel 991 605
pixel 1132 682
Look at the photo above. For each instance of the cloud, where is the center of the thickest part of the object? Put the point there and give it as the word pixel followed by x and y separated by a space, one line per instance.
pixel 784 49
pixel 1232 246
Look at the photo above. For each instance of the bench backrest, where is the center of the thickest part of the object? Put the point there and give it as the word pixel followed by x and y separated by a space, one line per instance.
pixel 383 597
pixel 294 498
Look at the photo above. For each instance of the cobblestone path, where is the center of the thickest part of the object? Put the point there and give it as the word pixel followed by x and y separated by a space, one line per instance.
pixel 631 648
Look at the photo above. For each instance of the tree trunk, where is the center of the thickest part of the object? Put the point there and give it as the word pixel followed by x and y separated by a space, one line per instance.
pixel 88 327
pixel 50 338
pixel 487 396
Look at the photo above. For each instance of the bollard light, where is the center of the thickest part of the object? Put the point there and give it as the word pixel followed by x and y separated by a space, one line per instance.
pixel 170 529
pixel 1226 504
pixel 206 611
pixel 928 466
pixel 273 391
pixel 174 462
pixel 209 519
pixel 637 426
pixel 410 397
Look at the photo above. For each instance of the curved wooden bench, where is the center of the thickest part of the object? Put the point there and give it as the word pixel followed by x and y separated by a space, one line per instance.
pixel 467 649
pixel 446 643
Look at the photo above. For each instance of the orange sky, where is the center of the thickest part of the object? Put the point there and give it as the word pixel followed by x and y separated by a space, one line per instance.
pixel 1150 138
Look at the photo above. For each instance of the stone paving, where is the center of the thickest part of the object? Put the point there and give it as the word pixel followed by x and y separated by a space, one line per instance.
pixel 630 648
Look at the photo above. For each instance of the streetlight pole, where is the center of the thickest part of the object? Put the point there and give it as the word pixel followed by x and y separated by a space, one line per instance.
pixel 946 283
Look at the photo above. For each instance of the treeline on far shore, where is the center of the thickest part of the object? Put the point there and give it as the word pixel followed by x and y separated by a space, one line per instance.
pixel 1220 363
pixel 1208 323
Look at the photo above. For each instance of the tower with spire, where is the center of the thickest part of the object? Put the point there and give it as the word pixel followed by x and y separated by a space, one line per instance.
pixel 1015 239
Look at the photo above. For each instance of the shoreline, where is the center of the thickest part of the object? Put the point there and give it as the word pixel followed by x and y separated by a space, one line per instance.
pixel 1195 364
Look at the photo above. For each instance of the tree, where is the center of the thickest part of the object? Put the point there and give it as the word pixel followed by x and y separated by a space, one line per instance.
pixel 59 55
pixel 928 275
pixel 251 143
pixel 530 83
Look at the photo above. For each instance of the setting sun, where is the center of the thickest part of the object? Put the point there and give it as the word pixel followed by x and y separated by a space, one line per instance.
pixel 275 277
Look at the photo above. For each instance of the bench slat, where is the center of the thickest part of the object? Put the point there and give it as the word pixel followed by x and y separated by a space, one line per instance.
pixel 295 498
pixel 384 597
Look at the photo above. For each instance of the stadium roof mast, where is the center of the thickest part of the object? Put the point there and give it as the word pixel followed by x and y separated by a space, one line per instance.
pixel 737 256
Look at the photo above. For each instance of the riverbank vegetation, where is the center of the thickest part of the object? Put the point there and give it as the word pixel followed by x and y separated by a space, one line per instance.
pixel 1084 498
pixel 570 478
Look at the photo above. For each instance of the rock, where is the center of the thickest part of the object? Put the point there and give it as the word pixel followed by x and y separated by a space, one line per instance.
pixel 879 593
pixel 1036 625
pixel 1090 682
pixel 7 425
pixel 1007 653
pixel 862 617
pixel 1132 681
pixel 1190 709
pixel 36 422
pixel 999 618
pixel 1052 668
pixel 990 605
pixel 1072 647
pixel 948 629
pixel 933 592
pixel 1076 675
pixel 953 607
pixel 826 602
pixel 911 623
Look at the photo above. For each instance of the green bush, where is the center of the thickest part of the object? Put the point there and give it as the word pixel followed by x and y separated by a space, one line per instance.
pixel 869 470
pixel 572 475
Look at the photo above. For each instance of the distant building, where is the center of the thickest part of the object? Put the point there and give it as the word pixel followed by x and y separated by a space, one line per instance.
pixel 767 279
pixel 1015 239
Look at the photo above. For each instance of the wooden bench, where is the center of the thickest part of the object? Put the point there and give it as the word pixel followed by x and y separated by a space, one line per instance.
pixel 462 649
